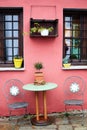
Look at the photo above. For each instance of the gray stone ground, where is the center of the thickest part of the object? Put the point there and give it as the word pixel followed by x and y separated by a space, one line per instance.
pixel 60 121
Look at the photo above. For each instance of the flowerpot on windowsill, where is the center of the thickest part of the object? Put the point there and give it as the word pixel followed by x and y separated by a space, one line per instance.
pixel 18 62
pixel 44 32
pixel 67 65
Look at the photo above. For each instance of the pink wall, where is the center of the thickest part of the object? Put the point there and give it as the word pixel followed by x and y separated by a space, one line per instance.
pixel 48 51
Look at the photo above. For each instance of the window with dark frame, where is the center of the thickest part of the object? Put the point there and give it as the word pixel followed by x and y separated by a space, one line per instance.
pixel 75 36
pixel 11 35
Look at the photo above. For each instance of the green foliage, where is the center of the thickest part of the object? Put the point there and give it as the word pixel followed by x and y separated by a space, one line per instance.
pixel 73 56
pixel 38 28
pixel 38 65
pixel 50 29
pixel 66 114
pixel 17 57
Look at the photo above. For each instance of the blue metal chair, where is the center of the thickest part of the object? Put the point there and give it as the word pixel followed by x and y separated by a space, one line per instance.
pixel 74 88
pixel 15 96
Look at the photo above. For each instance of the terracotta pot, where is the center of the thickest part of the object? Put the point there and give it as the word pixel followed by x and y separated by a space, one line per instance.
pixel 39 78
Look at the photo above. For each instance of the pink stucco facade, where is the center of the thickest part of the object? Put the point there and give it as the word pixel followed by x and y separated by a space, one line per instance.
pixel 46 50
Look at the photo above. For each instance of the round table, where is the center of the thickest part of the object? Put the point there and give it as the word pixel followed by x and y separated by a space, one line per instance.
pixel 39 120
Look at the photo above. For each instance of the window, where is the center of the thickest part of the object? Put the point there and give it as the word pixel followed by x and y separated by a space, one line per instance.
pixel 11 38
pixel 75 36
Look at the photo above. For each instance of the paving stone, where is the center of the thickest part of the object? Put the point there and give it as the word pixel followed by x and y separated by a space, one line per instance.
pixel 61 121
pixel 46 127
pixel 76 125
pixel 65 127
pixel 49 127
pixel 80 128
pixel 8 127
pixel 26 128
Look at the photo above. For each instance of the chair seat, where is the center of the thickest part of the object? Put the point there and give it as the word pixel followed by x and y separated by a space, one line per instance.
pixel 17 105
pixel 73 102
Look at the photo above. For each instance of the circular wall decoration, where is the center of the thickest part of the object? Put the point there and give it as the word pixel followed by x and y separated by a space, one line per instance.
pixel 14 90
pixel 74 87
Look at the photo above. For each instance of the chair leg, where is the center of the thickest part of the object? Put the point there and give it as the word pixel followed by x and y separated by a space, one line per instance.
pixel 25 112
pixel 67 114
pixel 82 115
pixel 82 123
pixel 66 108
pixel 9 115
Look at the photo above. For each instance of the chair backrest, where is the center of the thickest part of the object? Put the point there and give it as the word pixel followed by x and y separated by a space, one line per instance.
pixel 74 87
pixel 13 91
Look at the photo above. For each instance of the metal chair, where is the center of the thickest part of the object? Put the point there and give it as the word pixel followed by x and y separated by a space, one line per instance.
pixel 15 96
pixel 74 88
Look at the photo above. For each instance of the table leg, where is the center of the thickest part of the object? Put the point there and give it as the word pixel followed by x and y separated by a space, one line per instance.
pixel 45 106
pixel 37 106
pixel 41 120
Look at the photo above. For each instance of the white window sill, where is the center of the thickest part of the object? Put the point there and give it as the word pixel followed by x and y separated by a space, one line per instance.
pixel 75 67
pixel 11 69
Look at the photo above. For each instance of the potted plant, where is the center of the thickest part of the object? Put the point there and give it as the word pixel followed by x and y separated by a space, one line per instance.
pixel 74 58
pixel 44 31
pixel 38 66
pixel 39 77
pixel 17 61
pixel 66 63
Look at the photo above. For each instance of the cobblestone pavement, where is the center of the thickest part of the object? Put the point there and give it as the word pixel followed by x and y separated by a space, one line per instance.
pixel 60 121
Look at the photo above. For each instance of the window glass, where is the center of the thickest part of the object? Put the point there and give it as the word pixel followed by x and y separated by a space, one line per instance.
pixel 8 43
pixel 8 25
pixel 15 33
pixel 16 51
pixel 67 25
pixel 15 43
pixel 8 34
pixel 68 18
pixel 15 17
pixel 8 54
pixel 15 25
pixel 8 17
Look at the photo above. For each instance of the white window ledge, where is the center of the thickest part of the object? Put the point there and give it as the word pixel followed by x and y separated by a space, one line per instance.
pixel 11 69
pixel 75 67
